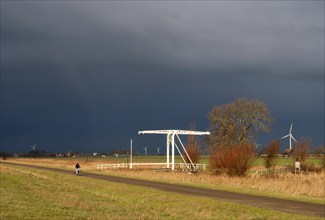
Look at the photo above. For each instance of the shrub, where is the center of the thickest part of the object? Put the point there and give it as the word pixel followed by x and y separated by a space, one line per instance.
pixel 320 152
pixel 301 149
pixel 4 155
pixel 310 167
pixel 271 150
pixel 323 162
pixel 235 160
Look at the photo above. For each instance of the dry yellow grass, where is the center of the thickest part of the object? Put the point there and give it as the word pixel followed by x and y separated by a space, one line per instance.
pixel 34 174
pixel 311 185
pixel 64 163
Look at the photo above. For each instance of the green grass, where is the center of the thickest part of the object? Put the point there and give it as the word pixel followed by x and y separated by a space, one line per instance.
pixel 36 194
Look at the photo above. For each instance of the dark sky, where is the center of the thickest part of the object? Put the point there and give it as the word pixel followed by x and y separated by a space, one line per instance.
pixel 88 75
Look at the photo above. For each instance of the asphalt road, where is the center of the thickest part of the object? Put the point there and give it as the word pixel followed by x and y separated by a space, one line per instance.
pixel 283 205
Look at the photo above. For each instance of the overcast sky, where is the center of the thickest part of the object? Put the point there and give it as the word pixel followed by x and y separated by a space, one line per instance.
pixel 88 75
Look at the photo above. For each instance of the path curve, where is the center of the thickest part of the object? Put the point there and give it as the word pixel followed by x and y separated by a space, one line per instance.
pixel 283 205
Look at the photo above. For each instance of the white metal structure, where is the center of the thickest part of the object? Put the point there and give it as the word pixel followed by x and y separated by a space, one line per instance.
pixel 180 166
pixel 171 143
pixel 290 137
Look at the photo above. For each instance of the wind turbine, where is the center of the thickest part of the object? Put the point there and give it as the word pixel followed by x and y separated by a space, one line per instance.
pixel 33 147
pixel 257 145
pixel 145 150
pixel 290 136
pixel 158 148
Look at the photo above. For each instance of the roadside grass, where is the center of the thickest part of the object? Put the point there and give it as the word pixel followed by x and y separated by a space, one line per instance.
pixel 28 193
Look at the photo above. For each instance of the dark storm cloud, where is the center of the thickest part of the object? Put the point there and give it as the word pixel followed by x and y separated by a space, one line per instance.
pixel 205 35
pixel 93 73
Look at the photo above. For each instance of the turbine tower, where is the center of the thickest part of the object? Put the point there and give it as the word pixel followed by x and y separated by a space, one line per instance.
pixel 290 137
pixel 145 150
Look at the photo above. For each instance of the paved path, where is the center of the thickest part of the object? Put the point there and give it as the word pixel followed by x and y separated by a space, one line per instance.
pixel 282 205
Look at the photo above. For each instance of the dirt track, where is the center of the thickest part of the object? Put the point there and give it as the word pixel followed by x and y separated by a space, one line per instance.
pixel 282 205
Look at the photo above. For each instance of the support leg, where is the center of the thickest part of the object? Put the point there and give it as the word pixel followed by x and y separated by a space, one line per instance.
pixel 167 151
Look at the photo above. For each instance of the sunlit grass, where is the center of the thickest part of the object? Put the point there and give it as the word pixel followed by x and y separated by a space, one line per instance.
pixel 294 187
pixel 36 194
pixel 308 188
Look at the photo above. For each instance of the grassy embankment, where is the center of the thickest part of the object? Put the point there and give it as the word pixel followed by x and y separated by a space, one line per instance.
pixel 309 188
pixel 36 194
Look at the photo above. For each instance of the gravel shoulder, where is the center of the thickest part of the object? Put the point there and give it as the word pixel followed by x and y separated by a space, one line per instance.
pixel 288 206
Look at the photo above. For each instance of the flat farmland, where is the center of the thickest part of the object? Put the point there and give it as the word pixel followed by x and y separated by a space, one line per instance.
pixel 29 193
pixel 297 187
pixel 204 159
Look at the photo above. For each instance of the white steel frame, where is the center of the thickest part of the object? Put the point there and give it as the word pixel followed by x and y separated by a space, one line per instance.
pixel 171 143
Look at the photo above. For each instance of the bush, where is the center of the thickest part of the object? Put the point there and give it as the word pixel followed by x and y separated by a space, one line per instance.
pixel 301 149
pixel 310 167
pixel 271 150
pixel 323 162
pixel 235 160
pixel 4 155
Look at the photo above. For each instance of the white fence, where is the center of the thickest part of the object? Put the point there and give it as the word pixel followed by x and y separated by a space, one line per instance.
pixel 196 166
pixel 112 166
pixel 179 166
pixel 271 171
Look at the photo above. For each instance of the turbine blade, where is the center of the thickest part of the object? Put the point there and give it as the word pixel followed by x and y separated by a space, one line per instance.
pixel 290 129
pixel 293 138
pixel 285 136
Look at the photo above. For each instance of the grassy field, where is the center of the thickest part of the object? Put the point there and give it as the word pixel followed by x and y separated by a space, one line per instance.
pixel 35 194
pixel 308 188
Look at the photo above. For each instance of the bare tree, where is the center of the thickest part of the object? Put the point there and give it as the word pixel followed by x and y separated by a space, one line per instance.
pixel 320 150
pixel 192 147
pixel 271 150
pixel 301 149
pixel 237 122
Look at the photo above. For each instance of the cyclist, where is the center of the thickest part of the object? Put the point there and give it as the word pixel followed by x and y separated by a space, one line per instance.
pixel 77 168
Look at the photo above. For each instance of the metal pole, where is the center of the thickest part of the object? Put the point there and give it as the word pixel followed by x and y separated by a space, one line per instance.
pixel 173 151
pixel 167 152
pixel 131 154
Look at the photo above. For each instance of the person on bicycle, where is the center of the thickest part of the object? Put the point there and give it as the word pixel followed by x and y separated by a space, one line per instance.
pixel 77 168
